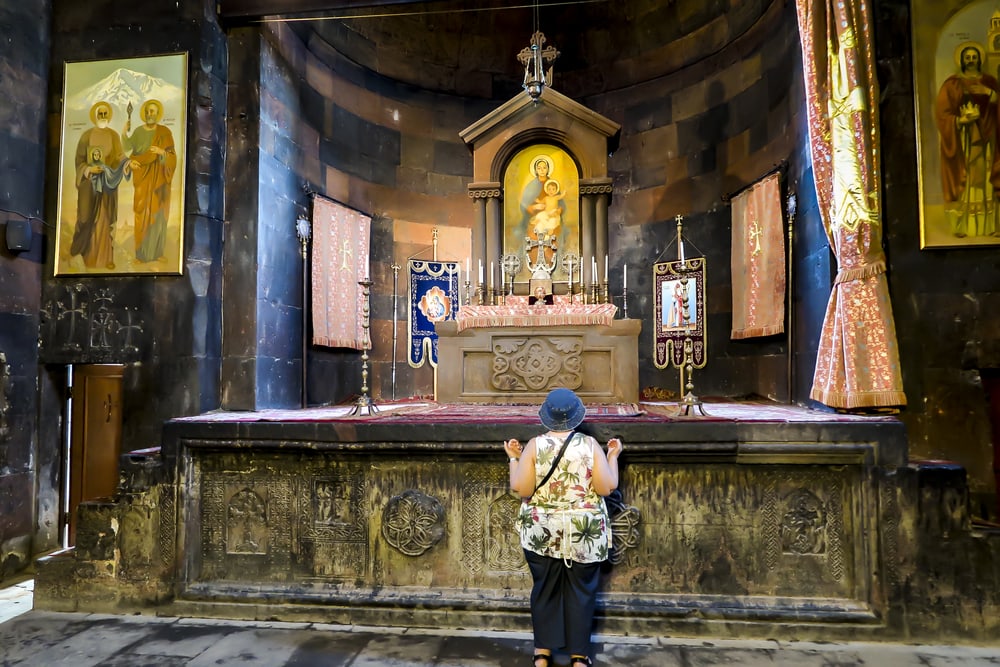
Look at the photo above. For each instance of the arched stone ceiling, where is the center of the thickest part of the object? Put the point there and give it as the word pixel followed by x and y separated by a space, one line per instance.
pixel 470 48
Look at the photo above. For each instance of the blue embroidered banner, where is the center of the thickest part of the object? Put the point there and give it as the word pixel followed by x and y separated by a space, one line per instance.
pixel 434 297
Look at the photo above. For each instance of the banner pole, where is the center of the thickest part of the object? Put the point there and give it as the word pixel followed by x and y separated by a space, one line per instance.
pixel 395 323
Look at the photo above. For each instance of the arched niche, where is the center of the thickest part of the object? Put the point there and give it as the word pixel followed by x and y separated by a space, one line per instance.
pixel 582 138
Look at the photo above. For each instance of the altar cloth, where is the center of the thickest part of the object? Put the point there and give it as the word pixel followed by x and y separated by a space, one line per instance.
pixel 520 314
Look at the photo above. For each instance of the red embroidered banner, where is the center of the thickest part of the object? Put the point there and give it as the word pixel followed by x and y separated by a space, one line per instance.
pixel 758 260
pixel 339 262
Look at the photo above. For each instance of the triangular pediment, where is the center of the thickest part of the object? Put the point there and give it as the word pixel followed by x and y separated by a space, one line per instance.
pixel 550 109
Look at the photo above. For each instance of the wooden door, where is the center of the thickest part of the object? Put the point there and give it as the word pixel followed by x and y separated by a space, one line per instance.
pixel 95 435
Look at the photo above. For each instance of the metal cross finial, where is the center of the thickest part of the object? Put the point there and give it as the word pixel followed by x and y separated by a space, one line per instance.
pixel 535 60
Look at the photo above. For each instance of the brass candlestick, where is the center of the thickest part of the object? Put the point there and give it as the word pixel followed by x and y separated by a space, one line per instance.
pixel 365 405
pixel 690 401
pixel 303 229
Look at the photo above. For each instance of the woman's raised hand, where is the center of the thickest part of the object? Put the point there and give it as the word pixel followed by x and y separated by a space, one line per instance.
pixel 614 448
pixel 512 447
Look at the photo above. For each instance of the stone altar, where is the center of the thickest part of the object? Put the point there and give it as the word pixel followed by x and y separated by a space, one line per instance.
pixel 534 350
pixel 749 524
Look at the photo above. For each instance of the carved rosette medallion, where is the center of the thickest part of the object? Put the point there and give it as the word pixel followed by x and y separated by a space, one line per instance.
pixel 413 522
pixel 537 363
pixel 624 533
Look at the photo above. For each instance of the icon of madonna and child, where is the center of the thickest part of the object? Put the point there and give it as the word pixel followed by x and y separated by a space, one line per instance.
pixel 545 214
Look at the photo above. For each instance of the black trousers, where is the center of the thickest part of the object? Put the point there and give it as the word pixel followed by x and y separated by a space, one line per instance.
pixel 563 599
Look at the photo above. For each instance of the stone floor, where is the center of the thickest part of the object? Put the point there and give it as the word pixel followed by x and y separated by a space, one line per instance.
pixel 16 598
pixel 48 639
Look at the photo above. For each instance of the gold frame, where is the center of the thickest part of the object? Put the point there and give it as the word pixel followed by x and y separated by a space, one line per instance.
pixel 941 29
pixel 86 84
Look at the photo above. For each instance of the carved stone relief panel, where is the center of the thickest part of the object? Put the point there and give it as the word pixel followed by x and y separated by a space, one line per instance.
pixel 90 323
pixel 332 518
pixel 889 530
pixel 537 363
pixel 490 542
pixel 501 542
pixel 624 534
pixel 137 542
pixel 246 518
pixel 246 523
pixel 804 519
pixel 750 530
pixel 167 517
pixel 4 397
pixel 413 522
pixel 803 524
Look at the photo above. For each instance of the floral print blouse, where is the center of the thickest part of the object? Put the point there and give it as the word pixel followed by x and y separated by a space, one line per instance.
pixel 566 518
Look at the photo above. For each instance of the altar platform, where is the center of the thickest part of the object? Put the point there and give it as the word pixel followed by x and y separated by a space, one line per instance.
pixel 756 519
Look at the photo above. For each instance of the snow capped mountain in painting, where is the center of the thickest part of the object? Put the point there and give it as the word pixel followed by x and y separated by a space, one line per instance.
pixel 124 86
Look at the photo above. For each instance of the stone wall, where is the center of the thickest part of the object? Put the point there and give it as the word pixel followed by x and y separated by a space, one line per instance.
pixel 29 474
pixel 709 129
pixel 946 302
pixel 688 142
pixel 165 328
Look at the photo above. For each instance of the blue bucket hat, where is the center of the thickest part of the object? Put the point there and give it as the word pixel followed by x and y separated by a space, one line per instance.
pixel 562 410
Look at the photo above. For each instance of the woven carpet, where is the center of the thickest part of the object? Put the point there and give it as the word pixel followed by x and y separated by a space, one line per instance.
pixel 504 414
pixel 423 412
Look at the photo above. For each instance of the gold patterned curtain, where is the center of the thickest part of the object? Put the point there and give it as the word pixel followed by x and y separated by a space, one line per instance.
pixel 857 365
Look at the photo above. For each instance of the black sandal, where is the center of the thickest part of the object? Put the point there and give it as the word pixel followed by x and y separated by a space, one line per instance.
pixel 547 657
pixel 581 660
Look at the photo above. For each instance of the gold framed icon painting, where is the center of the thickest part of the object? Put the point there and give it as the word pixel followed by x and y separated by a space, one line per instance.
pixel 542 209
pixel 956 68
pixel 121 167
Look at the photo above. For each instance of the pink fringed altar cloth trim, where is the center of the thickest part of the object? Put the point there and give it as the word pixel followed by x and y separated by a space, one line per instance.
pixel 519 314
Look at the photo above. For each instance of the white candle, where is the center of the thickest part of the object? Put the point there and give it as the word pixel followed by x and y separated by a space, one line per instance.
pixel 466 268
pixel 480 271
pixel 491 275
pixel 605 269
pixel 593 270
pixel 625 277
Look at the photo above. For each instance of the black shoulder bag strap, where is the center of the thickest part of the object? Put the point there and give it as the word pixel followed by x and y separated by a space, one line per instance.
pixel 562 450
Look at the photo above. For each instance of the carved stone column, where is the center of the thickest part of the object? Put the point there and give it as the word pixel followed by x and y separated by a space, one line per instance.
pixel 494 231
pixel 587 249
pixel 481 225
pixel 597 193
